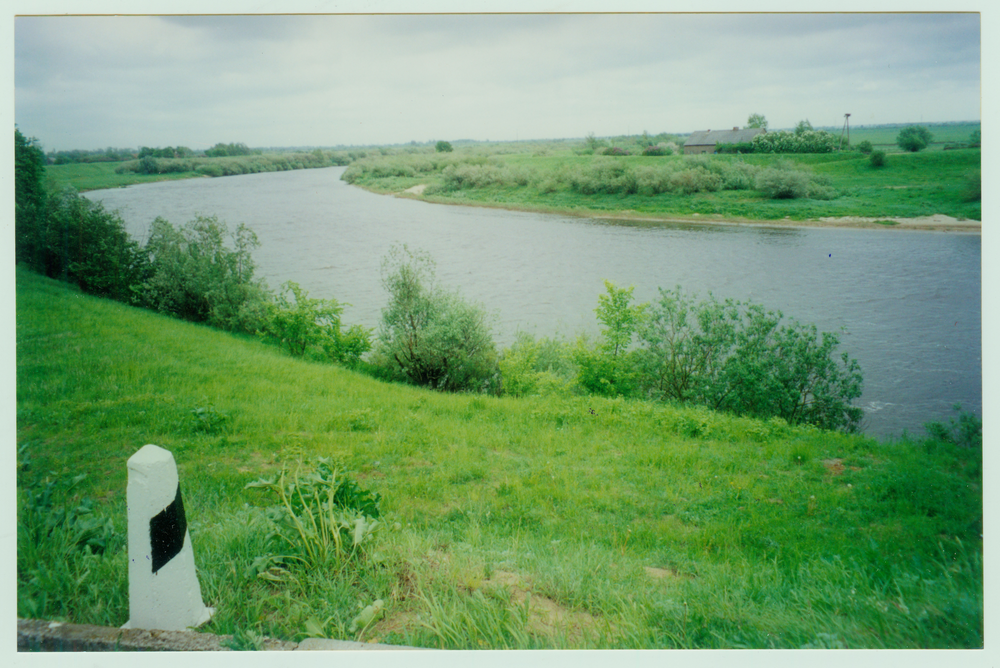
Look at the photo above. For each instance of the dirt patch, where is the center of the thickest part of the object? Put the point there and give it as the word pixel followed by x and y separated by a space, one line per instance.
pixel 545 616
pixel 938 221
pixel 662 573
pixel 416 190
pixel 834 466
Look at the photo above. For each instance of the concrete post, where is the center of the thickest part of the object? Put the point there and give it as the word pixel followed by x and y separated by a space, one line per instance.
pixel 163 588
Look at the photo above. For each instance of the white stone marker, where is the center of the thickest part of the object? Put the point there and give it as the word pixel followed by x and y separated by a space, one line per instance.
pixel 163 589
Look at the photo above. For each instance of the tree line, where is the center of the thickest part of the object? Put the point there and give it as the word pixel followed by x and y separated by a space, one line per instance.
pixel 730 356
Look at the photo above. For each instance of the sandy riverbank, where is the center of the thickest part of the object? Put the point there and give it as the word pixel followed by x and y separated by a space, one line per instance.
pixel 937 222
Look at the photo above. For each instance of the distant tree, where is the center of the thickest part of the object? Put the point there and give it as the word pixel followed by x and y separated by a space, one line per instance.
pixel 592 142
pixel 757 121
pixel 865 147
pixel 443 147
pixel 803 127
pixel 975 139
pixel 226 150
pixel 913 138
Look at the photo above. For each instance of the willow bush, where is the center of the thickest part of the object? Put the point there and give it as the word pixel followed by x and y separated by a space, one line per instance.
pixel 429 335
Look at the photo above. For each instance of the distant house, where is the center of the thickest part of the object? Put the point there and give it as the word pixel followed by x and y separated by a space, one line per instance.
pixel 706 140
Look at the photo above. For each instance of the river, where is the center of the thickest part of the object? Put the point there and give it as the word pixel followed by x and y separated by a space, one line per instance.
pixel 907 303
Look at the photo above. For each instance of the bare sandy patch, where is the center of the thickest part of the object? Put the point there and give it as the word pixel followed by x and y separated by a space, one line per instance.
pixel 416 190
pixel 938 221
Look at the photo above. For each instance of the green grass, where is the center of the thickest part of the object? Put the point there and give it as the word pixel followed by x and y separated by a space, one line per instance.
pixel 910 185
pixel 885 136
pixel 100 176
pixel 506 523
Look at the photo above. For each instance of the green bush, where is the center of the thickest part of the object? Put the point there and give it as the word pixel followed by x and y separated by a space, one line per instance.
pixel 914 138
pixel 695 180
pixel 738 357
pixel 865 147
pixel 430 336
pixel 29 201
pixel 782 183
pixel 604 176
pixel 609 368
pixel 300 323
pixel 88 246
pixel 195 276
pixel 974 185
pixel 878 159
pixel 657 150
pixel 735 147
pixel 443 147
pixel 532 366
pixel 809 141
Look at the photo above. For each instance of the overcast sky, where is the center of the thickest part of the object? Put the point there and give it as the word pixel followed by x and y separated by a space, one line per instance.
pixel 100 81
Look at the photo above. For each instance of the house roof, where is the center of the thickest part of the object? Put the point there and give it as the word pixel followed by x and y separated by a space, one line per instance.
pixel 713 137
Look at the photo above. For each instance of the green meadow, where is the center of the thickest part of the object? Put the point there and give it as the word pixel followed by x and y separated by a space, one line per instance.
pixel 537 522
pixel 712 187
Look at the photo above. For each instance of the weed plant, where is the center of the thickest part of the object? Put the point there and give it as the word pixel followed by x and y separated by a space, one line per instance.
pixel 546 521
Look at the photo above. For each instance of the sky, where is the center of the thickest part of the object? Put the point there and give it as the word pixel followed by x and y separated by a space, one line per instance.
pixel 89 82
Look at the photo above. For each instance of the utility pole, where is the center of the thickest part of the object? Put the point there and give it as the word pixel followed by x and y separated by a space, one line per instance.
pixel 847 128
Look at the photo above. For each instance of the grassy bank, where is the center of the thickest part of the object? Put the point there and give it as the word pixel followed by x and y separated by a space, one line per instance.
pixel 101 175
pixel 719 187
pixel 534 522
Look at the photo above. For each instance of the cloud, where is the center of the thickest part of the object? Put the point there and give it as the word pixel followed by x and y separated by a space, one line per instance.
pixel 88 82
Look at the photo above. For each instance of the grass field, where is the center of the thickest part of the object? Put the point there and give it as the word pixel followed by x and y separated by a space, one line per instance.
pixel 542 522
pixel 100 176
pixel 910 185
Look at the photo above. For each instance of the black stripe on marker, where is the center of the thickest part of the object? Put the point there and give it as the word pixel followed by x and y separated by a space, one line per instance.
pixel 166 532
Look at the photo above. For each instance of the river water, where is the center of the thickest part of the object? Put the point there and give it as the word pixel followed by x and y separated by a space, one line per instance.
pixel 906 303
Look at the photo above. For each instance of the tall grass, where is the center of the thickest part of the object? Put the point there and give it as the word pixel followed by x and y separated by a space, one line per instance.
pixel 545 521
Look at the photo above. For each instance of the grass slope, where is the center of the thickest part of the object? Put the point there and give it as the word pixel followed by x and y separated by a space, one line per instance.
pixel 530 523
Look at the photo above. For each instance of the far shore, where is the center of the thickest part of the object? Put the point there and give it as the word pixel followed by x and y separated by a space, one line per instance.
pixel 937 222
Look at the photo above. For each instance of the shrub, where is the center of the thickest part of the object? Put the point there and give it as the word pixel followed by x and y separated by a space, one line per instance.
pixel 88 246
pixel 809 141
pixel 608 369
pixel 604 176
pixel 29 200
pixel 975 139
pixel 429 336
pixel 616 151
pixel 782 183
pixel 531 366
pixel 301 323
pixel 735 147
pixel 694 180
pixel 193 275
pixel 865 147
pixel 878 159
pixel 657 149
pixel 740 358
pixel 913 138
pixel 443 147
pixel 967 432
pixel 974 185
